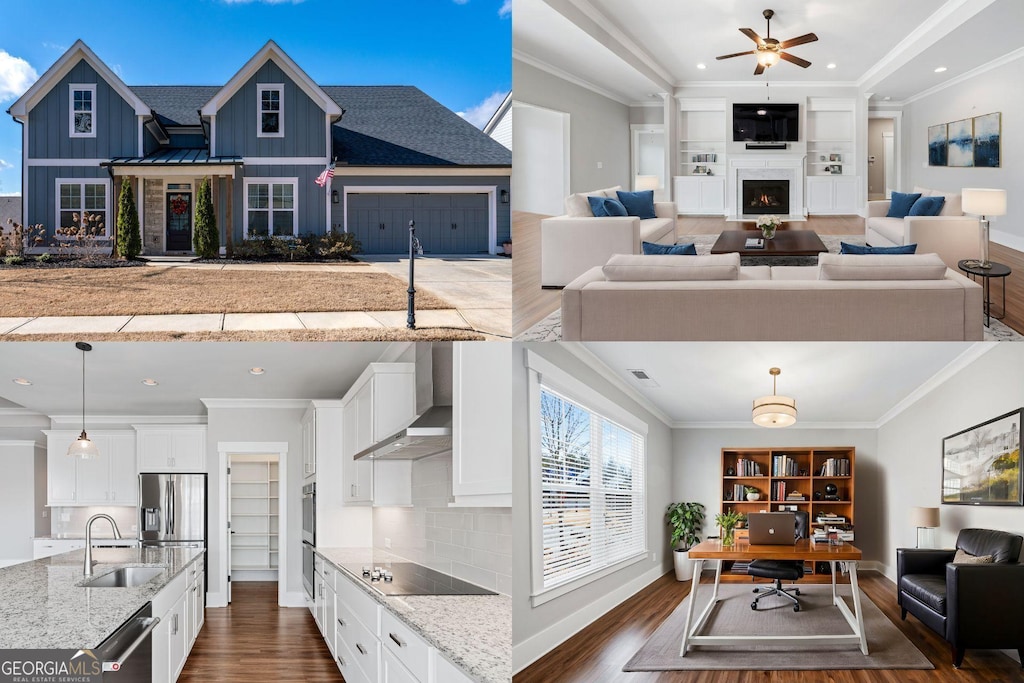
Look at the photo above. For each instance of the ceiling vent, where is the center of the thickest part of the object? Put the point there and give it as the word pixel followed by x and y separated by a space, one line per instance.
pixel 642 378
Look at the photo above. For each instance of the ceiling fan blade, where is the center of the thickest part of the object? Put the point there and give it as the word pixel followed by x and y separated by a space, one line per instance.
pixel 737 54
pixel 760 69
pixel 794 60
pixel 752 34
pixel 799 40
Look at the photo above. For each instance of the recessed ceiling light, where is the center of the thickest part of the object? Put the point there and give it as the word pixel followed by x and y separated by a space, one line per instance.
pixel 830 66
pixel 22 381
pixel 150 382
pixel 940 69
pixel 256 371
pixel 702 65
pixel 886 98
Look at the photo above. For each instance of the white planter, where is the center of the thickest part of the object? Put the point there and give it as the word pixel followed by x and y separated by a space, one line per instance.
pixel 684 567
pixel 753 496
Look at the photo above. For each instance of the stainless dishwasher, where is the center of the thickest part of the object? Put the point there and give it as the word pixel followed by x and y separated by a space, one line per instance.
pixel 127 654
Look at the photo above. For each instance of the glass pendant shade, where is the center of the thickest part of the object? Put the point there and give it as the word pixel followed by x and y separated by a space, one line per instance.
pixel 83 448
pixel 768 58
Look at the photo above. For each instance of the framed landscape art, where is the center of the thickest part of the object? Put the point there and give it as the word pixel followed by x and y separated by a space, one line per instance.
pixel 937 145
pixel 967 142
pixel 986 140
pixel 960 143
pixel 981 465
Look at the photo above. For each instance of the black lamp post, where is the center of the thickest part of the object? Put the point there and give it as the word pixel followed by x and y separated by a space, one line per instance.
pixel 414 246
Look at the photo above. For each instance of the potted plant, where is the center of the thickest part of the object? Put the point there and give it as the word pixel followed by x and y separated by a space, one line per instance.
pixel 507 247
pixel 741 522
pixel 768 224
pixel 686 521
pixel 727 522
pixel 752 493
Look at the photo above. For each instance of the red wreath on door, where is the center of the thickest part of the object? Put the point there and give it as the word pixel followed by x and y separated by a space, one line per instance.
pixel 179 206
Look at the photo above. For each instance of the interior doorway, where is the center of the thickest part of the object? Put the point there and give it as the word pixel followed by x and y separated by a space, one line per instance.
pixel 883 155
pixel 541 159
pixel 648 147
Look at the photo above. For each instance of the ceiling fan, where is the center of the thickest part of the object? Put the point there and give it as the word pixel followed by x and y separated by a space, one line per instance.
pixel 769 50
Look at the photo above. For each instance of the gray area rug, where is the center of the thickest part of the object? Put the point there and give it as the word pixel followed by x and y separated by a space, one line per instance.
pixel 889 648
pixel 550 328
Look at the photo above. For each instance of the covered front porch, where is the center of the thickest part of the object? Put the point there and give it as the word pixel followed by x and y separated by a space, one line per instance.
pixel 166 185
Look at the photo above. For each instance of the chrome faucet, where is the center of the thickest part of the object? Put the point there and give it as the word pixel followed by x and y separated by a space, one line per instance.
pixel 88 539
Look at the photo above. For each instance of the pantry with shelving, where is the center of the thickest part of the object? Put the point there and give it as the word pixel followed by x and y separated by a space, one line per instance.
pixel 254 515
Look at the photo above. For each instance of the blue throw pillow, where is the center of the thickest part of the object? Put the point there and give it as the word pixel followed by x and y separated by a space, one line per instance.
pixel 672 249
pixel 605 206
pixel 927 206
pixel 899 206
pixel 639 204
pixel 857 249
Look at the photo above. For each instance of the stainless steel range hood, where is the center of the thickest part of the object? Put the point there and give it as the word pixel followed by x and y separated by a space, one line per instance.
pixel 431 432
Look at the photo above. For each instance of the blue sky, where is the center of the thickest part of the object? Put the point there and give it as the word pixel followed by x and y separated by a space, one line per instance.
pixel 457 51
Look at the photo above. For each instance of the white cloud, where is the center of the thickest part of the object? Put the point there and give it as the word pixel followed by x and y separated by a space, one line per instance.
pixel 16 75
pixel 480 114
pixel 263 2
pixel 506 9
pixel 4 164
pixel 460 2
pixel 55 46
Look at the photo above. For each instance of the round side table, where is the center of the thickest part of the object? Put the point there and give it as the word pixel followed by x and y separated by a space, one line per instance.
pixel 997 270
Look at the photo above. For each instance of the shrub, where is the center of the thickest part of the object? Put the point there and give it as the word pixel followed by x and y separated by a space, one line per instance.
pixel 129 242
pixel 13 241
pixel 43 258
pixel 14 260
pixel 206 238
pixel 333 245
pixel 259 248
pixel 84 239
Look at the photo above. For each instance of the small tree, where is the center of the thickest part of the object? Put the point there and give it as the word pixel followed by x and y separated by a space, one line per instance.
pixel 129 243
pixel 206 238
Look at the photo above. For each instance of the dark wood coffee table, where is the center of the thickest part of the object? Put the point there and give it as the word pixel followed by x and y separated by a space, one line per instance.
pixel 785 243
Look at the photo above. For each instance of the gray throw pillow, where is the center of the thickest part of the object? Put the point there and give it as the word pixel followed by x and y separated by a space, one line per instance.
pixel 962 557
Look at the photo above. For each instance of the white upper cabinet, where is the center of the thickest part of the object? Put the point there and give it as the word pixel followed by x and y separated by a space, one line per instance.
pixel 108 479
pixel 171 448
pixel 357 475
pixel 483 386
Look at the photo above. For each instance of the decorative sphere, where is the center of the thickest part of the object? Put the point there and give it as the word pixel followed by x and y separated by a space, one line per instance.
pixel 831 489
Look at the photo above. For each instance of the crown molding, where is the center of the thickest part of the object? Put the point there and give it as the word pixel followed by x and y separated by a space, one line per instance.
pixel 753 84
pixel 566 76
pixel 750 425
pixel 21 442
pixel 1008 58
pixel 256 402
pixel 76 419
pixel 19 412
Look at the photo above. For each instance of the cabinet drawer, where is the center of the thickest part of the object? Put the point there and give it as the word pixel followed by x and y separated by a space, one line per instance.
pixel 448 672
pixel 347 665
pixel 318 565
pixel 358 603
pixel 362 645
pixel 392 670
pixel 405 644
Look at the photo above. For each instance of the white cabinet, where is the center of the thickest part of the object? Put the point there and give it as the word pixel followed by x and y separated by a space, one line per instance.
pixel 309 443
pixel 47 547
pixel 832 195
pixel 108 479
pixel 448 672
pixel 483 382
pixel 171 448
pixel 180 607
pixel 357 475
pixel 392 671
pixel 700 194
pixel 177 649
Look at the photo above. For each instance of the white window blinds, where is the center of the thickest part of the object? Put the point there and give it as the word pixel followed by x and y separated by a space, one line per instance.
pixel 592 490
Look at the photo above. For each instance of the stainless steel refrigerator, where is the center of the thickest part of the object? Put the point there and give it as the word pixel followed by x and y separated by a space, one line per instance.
pixel 172 510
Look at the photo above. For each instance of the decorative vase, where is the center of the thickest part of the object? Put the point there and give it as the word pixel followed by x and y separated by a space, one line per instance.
pixel 683 566
pixel 753 496
pixel 726 536
pixel 768 231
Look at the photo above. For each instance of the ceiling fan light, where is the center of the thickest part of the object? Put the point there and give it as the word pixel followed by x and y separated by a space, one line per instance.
pixel 83 448
pixel 767 58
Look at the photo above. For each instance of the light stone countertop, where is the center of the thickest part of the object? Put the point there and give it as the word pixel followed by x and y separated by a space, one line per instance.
pixel 42 603
pixel 473 631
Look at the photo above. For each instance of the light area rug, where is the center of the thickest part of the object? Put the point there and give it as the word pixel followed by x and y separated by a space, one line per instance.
pixel 550 328
pixel 888 647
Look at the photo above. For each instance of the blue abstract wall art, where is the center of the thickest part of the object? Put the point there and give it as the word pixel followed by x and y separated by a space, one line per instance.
pixel 986 140
pixel 937 145
pixel 960 136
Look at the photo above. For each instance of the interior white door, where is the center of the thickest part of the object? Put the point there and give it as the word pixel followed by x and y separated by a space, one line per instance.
pixel 889 150
pixel 649 154
pixel 541 159
pixel 229 531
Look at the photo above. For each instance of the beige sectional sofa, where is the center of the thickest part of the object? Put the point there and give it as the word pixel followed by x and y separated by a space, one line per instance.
pixel 951 234
pixel 577 241
pixel 707 298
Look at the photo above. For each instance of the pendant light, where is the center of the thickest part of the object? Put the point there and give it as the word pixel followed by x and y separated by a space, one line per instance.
pixel 774 410
pixel 83 448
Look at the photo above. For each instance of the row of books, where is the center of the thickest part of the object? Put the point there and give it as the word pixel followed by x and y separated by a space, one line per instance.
pixel 835 467
pixel 748 468
pixel 704 158
pixel 832 535
pixel 739 492
pixel 830 518
pixel 785 466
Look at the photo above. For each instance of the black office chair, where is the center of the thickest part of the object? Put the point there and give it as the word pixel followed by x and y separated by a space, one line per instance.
pixel 781 570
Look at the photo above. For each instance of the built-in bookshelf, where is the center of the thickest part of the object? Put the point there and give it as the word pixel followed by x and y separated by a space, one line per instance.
pixel 818 480
pixel 255 506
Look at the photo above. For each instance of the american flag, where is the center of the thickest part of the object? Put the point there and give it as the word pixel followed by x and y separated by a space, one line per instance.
pixel 326 175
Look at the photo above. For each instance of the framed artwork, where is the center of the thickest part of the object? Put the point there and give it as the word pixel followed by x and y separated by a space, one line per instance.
pixel 981 465
pixel 835 157
pixel 986 140
pixel 937 145
pixel 960 143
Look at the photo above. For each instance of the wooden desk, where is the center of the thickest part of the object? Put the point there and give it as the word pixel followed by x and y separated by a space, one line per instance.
pixel 802 550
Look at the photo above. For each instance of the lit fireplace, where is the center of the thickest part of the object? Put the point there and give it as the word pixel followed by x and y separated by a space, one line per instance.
pixel 765 196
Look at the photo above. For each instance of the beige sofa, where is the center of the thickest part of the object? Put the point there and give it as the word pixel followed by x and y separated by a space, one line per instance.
pixel 951 234
pixel 707 298
pixel 574 243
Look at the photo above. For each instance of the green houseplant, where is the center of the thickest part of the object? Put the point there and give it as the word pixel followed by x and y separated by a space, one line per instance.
pixel 686 521
pixel 752 493
pixel 727 522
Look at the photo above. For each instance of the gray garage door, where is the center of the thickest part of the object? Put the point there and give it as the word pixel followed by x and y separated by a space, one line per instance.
pixel 445 223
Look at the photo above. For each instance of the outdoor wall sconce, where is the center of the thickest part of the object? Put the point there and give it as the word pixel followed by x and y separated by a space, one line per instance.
pixel 335 199
pixel 504 196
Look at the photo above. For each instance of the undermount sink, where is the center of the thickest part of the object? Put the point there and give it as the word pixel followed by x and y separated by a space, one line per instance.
pixel 125 577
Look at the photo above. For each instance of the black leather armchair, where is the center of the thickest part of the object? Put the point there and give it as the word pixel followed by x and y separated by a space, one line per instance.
pixel 970 605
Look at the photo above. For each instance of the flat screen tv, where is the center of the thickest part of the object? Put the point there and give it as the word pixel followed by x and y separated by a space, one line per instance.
pixel 766 122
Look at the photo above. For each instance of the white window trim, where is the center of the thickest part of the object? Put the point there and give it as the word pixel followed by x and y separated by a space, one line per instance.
pixel 256 180
pixel 81 182
pixel 540 371
pixel 72 87
pixel 260 88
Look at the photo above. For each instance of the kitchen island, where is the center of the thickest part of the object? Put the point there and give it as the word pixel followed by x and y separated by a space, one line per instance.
pixel 473 632
pixel 43 603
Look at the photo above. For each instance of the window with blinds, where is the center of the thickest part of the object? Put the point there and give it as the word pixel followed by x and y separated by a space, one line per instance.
pixel 592 490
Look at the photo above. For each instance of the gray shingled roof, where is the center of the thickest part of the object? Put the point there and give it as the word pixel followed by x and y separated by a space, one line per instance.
pixel 176 104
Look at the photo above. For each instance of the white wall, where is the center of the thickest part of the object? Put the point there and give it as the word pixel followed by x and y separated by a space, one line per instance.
pixel 910 445
pixel 995 90
pixel 20 507
pixel 536 630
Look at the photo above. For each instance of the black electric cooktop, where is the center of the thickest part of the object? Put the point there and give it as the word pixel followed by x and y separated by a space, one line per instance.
pixel 408 578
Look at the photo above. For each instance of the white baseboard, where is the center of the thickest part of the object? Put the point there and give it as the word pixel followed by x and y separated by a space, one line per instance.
pixel 538 645
pixel 1006 239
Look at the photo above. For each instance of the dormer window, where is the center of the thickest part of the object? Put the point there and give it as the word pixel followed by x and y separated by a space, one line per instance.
pixel 82 110
pixel 270 110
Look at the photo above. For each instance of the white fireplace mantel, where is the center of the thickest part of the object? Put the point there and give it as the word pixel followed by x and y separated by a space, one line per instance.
pixel 769 167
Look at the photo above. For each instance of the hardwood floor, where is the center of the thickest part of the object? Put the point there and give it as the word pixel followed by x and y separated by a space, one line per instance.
pixel 598 652
pixel 530 303
pixel 255 640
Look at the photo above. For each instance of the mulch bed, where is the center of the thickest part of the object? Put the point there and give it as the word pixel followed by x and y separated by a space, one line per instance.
pixel 60 262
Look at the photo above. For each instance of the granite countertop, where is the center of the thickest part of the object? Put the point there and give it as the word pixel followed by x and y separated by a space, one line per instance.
pixel 473 631
pixel 42 603
pixel 81 537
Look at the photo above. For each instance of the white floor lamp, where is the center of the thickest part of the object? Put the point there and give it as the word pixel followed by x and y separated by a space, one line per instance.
pixel 925 518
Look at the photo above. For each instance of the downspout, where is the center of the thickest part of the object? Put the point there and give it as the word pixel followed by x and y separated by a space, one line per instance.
pixel 24 176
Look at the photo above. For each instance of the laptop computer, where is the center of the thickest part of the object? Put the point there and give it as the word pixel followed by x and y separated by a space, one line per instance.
pixel 772 528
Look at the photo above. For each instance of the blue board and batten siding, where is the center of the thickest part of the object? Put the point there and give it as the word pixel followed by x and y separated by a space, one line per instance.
pixel 305 128
pixel 117 128
pixel 41 198
pixel 310 198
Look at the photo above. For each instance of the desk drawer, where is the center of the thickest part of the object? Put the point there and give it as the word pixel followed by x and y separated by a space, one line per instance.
pixel 741 536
